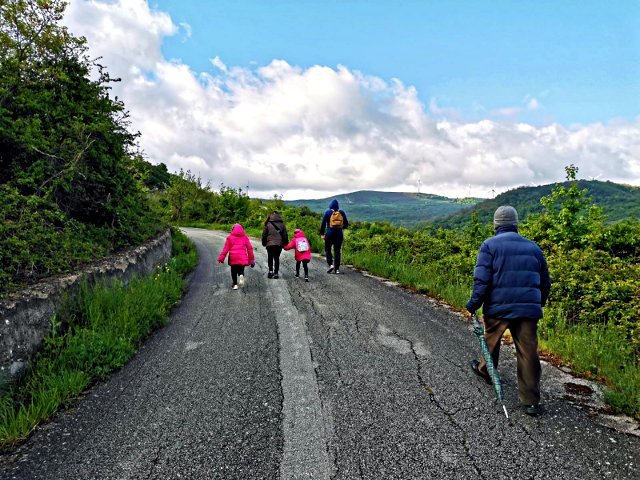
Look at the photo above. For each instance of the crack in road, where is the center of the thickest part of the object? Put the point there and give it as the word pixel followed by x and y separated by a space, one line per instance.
pixel 432 397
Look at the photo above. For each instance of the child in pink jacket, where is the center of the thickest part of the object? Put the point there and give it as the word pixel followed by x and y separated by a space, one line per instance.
pixel 240 253
pixel 302 252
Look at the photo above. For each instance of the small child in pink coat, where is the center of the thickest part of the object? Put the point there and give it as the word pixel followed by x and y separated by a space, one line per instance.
pixel 302 252
pixel 240 251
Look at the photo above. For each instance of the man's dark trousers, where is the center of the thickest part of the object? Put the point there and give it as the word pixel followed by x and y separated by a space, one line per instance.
pixel 524 332
pixel 334 239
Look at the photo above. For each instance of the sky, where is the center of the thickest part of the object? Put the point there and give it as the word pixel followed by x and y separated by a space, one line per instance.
pixel 307 99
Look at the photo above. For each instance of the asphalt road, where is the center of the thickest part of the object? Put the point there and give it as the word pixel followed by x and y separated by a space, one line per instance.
pixel 344 377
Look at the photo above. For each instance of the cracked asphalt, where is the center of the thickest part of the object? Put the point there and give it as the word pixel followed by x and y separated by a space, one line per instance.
pixel 344 377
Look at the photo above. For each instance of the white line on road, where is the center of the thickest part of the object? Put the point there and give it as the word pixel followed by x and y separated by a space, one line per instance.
pixel 305 429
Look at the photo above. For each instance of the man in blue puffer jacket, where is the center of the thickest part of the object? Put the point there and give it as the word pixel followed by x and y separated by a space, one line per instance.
pixel 511 282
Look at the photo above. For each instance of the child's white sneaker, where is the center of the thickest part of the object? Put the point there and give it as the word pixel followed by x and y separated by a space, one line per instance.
pixel 241 281
pixel 235 287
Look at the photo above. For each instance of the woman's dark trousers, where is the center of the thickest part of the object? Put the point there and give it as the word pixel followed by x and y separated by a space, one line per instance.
pixel 273 258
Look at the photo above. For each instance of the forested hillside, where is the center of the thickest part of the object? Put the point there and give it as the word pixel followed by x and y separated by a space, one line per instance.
pixel 617 201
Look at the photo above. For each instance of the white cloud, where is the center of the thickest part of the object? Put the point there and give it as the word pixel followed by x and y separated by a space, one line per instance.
pixel 533 104
pixel 307 132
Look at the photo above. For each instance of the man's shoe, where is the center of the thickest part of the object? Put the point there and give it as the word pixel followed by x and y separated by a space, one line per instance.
pixel 533 410
pixel 306 279
pixel 297 275
pixel 241 281
pixel 235 287
pixel 270 275
pixel 337 272
pixel 331 268
pixel 476 370
pixel 275 275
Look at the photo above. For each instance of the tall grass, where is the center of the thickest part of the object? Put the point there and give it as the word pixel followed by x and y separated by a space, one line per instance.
pixel 106 324
pixel 420 277
pixel 601 352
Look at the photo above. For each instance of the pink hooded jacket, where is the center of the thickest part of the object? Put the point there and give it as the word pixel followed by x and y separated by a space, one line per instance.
pixel 238 247
pixel 297 235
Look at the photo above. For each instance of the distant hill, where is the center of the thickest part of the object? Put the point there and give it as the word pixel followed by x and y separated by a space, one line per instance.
pixel 617 201
pixel 399 208
pixel 412 209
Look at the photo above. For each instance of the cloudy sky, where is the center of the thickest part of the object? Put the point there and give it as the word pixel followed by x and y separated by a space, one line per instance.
pixel 310 98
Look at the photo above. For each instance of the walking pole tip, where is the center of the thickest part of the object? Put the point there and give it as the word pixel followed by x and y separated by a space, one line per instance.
pixel 504 407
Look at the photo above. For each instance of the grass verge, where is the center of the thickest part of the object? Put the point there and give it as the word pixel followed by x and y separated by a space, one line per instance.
pixel 106 324
pixel 602 353
pixel 420 277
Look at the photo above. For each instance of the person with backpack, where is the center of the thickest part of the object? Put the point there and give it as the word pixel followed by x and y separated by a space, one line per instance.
pixel 240 251
pixel 274 237
pixel 334 222
pixel 302 252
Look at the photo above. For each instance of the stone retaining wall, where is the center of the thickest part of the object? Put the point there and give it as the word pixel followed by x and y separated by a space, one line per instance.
pixel 25 317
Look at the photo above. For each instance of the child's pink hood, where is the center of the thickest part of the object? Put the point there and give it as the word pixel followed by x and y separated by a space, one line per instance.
pixel 237 230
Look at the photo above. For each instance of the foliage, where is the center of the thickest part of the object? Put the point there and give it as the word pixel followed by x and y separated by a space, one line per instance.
pixel 104 326
pixel 189 200
pixel 67 167
pixel 153 177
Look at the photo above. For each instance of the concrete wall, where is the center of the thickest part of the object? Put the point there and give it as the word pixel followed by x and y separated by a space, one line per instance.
pixel 25 317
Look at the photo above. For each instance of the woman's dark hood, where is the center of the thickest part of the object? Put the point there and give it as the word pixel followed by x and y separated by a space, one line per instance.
pixel 334 204
pixel 275 217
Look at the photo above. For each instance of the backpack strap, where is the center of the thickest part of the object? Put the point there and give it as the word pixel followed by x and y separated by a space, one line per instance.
pixel 275 226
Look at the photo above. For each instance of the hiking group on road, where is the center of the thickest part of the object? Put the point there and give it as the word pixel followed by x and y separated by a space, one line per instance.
pixel 275 239
pixel 511 283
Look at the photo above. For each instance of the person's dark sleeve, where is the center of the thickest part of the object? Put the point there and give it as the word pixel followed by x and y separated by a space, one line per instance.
pixel 481 278
pixel 345 222
pixel 324 223
pixel 285 235
pixel 265 233
pixel 545 280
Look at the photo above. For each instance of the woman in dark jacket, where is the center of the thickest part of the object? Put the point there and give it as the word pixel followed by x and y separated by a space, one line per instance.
pixel 274 237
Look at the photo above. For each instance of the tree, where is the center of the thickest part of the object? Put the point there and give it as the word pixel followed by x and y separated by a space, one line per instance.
pixel 66 154
pixel 62 137
pixel 569 220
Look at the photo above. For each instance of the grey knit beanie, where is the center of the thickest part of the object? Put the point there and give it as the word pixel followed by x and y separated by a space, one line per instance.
pixel 505 215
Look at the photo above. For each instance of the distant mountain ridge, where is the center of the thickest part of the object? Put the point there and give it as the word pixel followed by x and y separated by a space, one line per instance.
pixel 618 202
pixel 400 208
